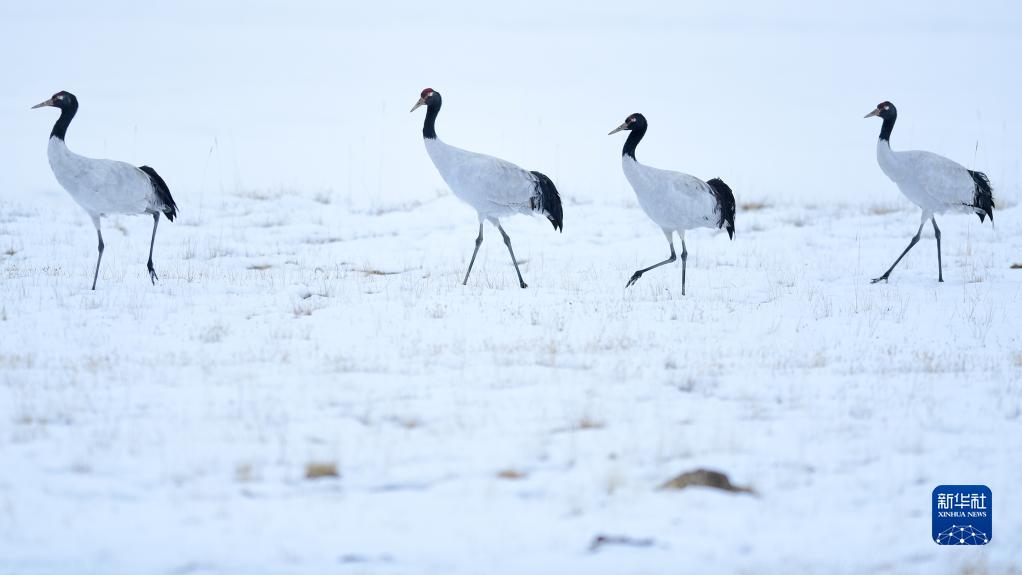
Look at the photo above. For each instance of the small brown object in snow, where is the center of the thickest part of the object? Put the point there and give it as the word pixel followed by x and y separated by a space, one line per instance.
pixel 705 478
pixel 321 470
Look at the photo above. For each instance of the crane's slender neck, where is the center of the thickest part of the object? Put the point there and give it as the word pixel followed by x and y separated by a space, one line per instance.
pixel 885 130
pixel 634 137
pixel 67 113
pixel 429 125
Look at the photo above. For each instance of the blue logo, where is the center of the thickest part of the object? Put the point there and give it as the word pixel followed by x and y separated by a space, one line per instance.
pixel 962 515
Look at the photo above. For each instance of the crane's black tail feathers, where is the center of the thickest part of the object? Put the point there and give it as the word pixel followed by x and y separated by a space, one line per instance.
pixel 162 192
pixel 725 205
pixel 983 200
pixel 547 201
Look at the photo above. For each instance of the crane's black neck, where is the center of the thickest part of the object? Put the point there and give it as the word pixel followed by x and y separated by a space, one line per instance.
pixel 634 137
pixel 67 113
pixel 433 104
pixel 885 130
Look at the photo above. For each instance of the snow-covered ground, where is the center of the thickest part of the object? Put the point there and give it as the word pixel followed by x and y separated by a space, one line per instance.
pixel 310 314
pixel 488 429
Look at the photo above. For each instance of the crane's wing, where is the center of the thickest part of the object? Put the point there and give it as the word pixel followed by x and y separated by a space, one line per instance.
pixel 488 179
pixel 945 181
pixel 691 198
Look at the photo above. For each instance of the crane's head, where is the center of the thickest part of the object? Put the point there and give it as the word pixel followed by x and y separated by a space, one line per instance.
pixel 427 97
pixel 885 110
pixel 63 100
pixel 633 122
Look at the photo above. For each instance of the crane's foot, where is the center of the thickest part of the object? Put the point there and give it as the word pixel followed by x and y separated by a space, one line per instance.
pixel 523 284
pixel 882 278
pixel 635 278
pixel 152 273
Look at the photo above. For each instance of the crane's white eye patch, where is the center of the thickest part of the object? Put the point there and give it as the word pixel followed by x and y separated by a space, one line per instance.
pixel 887 107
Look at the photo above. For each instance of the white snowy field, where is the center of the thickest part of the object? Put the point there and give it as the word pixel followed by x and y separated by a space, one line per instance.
pixel 489 429
pixel 310 316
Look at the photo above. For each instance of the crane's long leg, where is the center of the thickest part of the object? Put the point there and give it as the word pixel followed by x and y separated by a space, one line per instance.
pixel 684 260
pixel 507 242
pixel 152 272
pixel 638 274
pixel 940 265
pixel 479 241
pixel 915 240
pixel 99 234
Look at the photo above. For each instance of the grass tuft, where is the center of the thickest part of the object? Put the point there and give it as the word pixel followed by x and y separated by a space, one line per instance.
pixel 321 470
pixel 512 474
pixel 753 206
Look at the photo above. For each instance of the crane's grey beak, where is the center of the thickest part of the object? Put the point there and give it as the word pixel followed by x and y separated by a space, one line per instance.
pixel 619 128
pixel 417 104
pixel 41 104
pixel 873 113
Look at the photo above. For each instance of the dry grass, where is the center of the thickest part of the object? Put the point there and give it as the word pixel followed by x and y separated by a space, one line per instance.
pixel 753 206
pixel 213 333
pixel 704 478
pixel 882 210
pixel 370 271
pixel 321 470
pixel 265 195
pixel 260 267
pixel 244 473
pixel 512 474
pixel 582 424
pixel 408 422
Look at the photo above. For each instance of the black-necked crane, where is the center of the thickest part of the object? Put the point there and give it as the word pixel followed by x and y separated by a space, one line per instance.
pixel 493 187
pixel 934 183
pixel 674 201
pixel 105 187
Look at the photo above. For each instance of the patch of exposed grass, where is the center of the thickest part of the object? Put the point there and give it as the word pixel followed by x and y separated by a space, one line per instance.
pixel 407 422
pixel 704 478
pixel 371 271
pixel 264 195
pixel 244 473
pixel 512 474
pixel 321 470
pixel 753 206
pixel 213 333
pixel 882 210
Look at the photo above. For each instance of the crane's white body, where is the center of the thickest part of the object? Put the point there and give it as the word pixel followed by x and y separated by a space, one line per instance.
pixel 934 183
pixel 102 187
pixel 493 187
pixel 674 201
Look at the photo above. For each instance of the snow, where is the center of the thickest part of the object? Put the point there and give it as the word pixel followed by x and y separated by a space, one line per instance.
pixel 310 310
pixel 168 428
